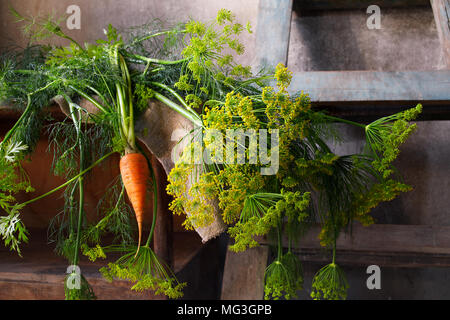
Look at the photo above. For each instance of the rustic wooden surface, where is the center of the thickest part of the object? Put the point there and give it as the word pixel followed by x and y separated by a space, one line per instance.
pixel 367 86
pixel 382 244
pixel 243 277
pixel 35 277
pixel 441 11
pixel 272 32
pixel 40 273
pixel 356 4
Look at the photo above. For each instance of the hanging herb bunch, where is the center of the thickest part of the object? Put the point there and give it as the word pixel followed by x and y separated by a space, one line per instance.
pixel 294 181
pixel 312 184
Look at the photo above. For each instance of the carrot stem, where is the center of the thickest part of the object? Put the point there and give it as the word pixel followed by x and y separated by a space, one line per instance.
pixel 155 205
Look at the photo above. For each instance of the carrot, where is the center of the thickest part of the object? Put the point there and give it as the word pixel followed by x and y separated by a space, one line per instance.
pixel 135 174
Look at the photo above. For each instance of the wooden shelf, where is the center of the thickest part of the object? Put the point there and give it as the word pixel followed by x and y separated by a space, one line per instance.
pixel 382 244
pixel 372 94
pixel 369 86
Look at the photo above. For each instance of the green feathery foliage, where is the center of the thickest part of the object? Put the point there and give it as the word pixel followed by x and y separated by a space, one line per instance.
pixel 330 283
pixel 191 68
pixel 145 271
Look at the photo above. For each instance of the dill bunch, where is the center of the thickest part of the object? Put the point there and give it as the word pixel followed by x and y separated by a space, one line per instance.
pixel 385 135
pixel 25 86
pixel 330 283
pixel 283 278
pixel 145 271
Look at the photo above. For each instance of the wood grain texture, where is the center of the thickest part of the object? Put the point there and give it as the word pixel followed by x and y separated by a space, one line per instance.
pixel 272 32
pixel 366 86
pixel 40 274
pixel 441 11
pixel 356 4
pixel 243 277
pixel 383 244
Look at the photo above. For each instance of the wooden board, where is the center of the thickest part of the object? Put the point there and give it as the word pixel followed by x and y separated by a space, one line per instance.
pixel 366 112
pixel 272 32
pixel 40 273
pixel 382 244
pixel 367 86
pixel 243 277
pixel 356 4
pixel 441 11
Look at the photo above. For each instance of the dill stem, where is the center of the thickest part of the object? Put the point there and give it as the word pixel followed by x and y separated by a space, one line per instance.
pixel 345 121
pixel 279 240
pixel 156 61
pixel 182 111
pixel 334 246
pixel 80 219
pixel 270 77
pixel 146 69
pixel 89 98
pixel 73 41
pixel 175 94
pixel 18 122
pixel 77 124
pixel 161 33
pixel 155 206
pixel 68 181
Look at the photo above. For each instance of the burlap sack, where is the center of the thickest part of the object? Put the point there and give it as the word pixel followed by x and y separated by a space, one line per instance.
pixel 160 129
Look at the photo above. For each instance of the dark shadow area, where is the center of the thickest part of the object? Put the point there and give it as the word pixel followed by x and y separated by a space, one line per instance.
pixel 204 272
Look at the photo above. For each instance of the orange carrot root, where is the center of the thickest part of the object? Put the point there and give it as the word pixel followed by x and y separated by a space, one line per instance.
pixel 135 174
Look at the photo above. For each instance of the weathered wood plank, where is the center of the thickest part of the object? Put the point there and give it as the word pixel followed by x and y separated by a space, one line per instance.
pixel 441 11
pixel 383 244
pixel 272 32
pixel 388 238
pixel 355 4
pixel 243 277
pixel 364 258
pixel 366 112
pixel 40 274
pixel 366 86
pixel 385 239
